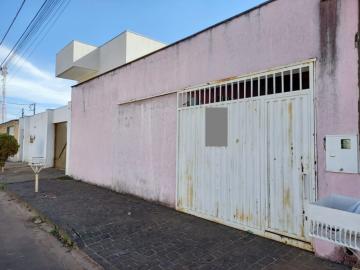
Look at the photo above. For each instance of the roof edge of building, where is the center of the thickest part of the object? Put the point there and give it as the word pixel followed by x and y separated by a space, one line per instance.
pixel 179 41
pixel 9 121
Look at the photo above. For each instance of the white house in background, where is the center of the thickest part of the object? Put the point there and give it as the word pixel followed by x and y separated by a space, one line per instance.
pixel 47 135
pixel 79 61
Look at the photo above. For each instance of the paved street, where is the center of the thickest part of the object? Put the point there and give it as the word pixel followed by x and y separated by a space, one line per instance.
pixel 124 232
pixel 21 172
pixel 26 246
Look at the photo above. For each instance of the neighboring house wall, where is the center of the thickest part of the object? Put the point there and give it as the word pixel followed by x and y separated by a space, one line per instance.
pixel 135 148
pixel 36 133
pixel 12 128
pixel 39 134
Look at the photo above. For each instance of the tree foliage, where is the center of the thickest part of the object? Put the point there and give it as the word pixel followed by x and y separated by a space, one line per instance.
pixel 8 147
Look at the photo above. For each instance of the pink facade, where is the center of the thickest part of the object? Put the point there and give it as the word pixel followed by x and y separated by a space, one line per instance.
pixel 124 137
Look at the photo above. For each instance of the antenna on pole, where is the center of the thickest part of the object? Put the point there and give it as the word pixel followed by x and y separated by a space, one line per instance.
pixel 3 71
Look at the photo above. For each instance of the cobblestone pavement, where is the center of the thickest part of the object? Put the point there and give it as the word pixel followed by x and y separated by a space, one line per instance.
pixel 26 245
pixel 123 232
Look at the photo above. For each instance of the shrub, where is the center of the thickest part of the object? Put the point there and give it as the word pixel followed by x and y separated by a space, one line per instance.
pixel 8 147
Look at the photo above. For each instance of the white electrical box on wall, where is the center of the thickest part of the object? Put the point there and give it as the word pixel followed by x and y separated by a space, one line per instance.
pixel 342 153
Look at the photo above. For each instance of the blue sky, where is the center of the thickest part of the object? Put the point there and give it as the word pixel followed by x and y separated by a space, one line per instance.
pixel 31 77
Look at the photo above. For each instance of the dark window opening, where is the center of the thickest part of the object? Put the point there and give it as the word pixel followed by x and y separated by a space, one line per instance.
pixel 197 98
pixel 223 93
pixel 287 81
pixel 278 83
pixel 202 97
pixel 212 95
pixel 207 96
pixel 296 80
pixel 241 90
pixel 255 87
pixel 192 98
pixel 262 86
pixel 229 92
pixel 217 94
pixel 270 80
pixel 235 91
pixel 305 78
pixel 188 99
pixel 248 88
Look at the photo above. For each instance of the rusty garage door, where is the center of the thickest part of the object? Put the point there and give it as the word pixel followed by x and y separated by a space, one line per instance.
pixel 60 145
pixel 246 151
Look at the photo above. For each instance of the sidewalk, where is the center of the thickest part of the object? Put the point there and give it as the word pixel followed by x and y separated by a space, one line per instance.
pixel 123 232
pixel 29 246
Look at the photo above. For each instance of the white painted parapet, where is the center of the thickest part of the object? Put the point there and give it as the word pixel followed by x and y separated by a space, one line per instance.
pixel 79 61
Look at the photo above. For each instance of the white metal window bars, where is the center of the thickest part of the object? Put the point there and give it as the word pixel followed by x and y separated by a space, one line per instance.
pixel 335 234
pixel 290 79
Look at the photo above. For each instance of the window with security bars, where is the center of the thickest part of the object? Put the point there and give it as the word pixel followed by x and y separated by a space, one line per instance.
pixel 279 82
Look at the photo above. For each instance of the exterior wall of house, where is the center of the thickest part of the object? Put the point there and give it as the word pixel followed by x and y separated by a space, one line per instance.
pixel 10 124
pixel 129 153
pixel 337 100
pixel 68 139
pixel 39 134
pixel 35 139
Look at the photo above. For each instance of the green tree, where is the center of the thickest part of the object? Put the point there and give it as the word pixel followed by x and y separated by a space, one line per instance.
pixel 8 147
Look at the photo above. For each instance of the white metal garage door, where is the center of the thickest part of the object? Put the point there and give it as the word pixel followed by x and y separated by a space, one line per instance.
pixel 246 151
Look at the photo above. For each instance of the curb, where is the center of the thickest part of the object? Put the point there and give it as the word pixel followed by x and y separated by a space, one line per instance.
pixel 61 232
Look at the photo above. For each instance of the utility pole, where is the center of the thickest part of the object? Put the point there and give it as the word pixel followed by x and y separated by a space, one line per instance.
pixel 3 101
pixel 22 112
pixel 33 107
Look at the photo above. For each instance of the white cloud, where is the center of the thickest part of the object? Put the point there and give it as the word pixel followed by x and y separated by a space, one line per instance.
pixel 20 62
pixel 35 85
pixel 39 92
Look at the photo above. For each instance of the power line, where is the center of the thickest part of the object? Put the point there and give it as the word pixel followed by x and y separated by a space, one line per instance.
pixel 38 23
pixel 24 33
pixel 18 104
pixel 31 33
pixel 33 46
pixel 13 21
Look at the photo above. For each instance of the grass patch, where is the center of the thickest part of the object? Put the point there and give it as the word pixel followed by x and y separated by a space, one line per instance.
pixel 64 239
pixel 2 186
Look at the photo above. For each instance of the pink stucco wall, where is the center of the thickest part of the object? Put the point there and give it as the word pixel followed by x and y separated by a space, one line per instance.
pixel 337 98
pixel 131 147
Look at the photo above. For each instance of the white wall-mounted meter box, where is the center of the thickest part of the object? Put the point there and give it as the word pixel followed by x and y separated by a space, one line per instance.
pixel 342 153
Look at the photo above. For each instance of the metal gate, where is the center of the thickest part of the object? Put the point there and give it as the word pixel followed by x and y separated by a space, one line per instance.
pixel 245 153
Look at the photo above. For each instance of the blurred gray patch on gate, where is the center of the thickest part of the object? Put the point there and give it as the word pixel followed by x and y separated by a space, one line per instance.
pixel 216 127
